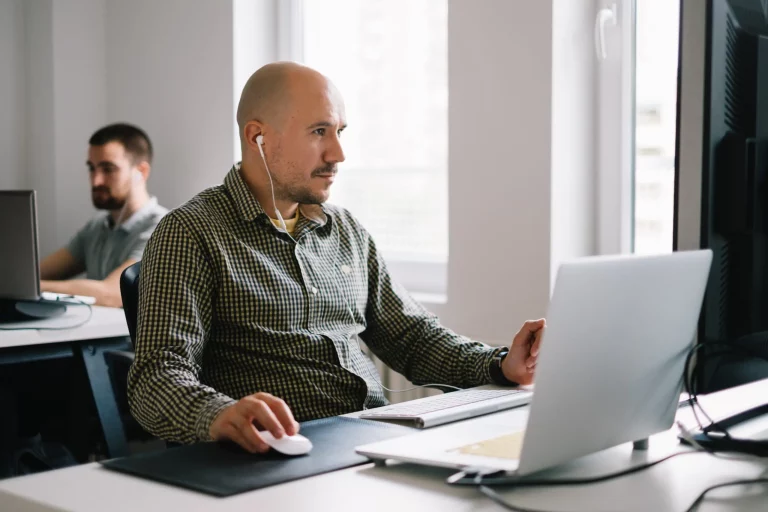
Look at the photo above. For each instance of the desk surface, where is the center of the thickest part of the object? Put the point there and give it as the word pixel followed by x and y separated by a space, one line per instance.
pixel 670 486
pixel 104 323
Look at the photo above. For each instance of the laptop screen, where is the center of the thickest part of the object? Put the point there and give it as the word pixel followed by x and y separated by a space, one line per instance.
pixel 19 265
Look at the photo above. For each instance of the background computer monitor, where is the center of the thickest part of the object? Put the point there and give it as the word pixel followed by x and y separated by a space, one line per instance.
pixel 721 193
pixel 19 263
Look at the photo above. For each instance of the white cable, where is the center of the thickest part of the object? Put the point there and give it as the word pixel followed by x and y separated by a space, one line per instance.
pixel 259 142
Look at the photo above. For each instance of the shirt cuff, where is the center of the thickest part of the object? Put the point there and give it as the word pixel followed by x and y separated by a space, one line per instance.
pixel 208 413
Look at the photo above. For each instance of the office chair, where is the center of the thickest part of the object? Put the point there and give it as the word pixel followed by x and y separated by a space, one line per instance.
pixel 129 291
pixel 119 361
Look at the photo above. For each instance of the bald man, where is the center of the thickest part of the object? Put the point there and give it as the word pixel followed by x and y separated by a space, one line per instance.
pixel 256 293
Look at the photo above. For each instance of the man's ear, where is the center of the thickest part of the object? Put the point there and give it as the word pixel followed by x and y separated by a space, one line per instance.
pixel 143 167
pixel 252 130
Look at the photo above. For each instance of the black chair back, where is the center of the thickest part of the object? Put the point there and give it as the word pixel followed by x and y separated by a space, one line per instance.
pixel 129 290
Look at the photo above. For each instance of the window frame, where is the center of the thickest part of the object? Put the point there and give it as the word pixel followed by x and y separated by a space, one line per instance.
pixel 616 130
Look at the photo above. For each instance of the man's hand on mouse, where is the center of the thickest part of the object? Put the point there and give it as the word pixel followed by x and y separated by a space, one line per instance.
pixel 241 421
pixel 520 363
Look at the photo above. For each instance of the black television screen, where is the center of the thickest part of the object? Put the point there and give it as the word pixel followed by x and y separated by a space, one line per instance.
pixel 721 193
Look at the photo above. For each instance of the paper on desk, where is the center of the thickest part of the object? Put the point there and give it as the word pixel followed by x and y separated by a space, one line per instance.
pixel 507 446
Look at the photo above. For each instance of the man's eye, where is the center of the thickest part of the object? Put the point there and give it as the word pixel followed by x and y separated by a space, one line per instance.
pixel 320 131
pixel 338 132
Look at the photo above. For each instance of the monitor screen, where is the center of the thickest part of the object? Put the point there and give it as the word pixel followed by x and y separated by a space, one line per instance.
pixel 19 265
pixel 721 191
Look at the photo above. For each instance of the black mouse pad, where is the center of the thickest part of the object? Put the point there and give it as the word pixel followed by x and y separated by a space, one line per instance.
pixel 226 469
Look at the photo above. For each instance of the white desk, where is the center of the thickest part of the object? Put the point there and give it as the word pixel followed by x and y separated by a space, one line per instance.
pixel 670 486
pixel 104 323
pixel 106 330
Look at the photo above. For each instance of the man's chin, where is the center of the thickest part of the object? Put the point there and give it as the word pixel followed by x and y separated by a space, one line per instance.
pixel 107 205
pixel 314 198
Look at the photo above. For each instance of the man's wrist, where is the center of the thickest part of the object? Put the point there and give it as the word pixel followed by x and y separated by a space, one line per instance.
pixel 496 372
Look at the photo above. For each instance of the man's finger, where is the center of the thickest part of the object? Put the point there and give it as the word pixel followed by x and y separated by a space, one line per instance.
pixel 537 344
pixel 283 413
pixel 249 434
pixel 259 411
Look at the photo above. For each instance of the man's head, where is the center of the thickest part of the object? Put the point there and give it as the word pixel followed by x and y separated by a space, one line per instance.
pixel 300 115
pixel 119 160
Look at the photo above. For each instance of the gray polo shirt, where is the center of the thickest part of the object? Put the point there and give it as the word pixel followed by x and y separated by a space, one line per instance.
pixel 101 248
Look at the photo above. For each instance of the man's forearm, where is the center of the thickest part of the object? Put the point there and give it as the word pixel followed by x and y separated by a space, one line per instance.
pixel 106 294
pixel 173 406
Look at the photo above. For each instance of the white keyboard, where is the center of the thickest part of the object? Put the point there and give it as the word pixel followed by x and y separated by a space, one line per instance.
pixel 459 405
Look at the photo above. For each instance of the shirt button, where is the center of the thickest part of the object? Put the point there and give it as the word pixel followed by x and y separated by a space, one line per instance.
pixel 314 290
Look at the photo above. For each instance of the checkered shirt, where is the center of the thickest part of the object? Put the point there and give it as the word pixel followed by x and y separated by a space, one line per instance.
pixel 229 306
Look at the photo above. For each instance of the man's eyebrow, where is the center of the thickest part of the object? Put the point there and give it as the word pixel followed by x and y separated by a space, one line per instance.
pixel 324 124
pixel 103 163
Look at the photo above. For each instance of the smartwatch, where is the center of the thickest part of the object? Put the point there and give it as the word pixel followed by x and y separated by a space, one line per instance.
pixel 497 375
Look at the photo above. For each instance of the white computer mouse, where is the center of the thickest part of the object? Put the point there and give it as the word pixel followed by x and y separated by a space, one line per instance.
pixel 296 444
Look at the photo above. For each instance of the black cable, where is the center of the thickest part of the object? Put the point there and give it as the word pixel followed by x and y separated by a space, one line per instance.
pixel 60 328
pixel 728 349
pixel 701 496
pixel 494 496
pixel 690 388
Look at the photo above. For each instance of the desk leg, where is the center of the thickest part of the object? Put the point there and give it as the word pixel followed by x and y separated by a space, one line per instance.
pixel 92 352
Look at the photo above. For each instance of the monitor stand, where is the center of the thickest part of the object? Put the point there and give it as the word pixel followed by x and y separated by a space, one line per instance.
pixel 20 310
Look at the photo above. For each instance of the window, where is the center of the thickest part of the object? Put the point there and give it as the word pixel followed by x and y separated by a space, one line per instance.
pixel 389 58
pixel 637 48
pixel 656 34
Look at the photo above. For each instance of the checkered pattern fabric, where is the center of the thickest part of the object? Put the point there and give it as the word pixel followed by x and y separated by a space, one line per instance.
pixel 230 305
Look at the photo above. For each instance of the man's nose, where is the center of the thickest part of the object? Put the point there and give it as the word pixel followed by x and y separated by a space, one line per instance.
pixel 97 179
pixel 335 153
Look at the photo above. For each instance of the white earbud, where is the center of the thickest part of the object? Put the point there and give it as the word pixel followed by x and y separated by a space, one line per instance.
pixel 259 143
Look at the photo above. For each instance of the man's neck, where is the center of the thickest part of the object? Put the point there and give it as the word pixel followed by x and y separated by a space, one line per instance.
pixel 255 177
pixel 135 203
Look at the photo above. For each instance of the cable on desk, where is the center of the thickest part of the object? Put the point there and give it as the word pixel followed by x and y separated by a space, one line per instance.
pixel 60 328
pixel 703 494
pixel 690 388
pixel 496 497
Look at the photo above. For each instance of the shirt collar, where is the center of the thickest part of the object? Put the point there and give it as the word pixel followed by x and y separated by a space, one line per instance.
pixel 139 215
pixel 249 207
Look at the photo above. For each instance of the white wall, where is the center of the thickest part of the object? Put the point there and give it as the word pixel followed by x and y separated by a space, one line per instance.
pixel 59 76
pixel 170 71
pixel 520 120
pixel 574 141
pixel 39 129
pixel 80 101
pixel 12 97
pixel 520 160
pixel 255 34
